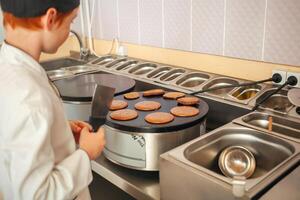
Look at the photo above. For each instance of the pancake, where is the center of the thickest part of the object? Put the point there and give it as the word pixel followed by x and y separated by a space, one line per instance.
pixel 124 115
pixel 188 101
pixel 159 118
pixel 132 95
pixel 185 111
pixel 147 105
pixel 118 104
pixel 173 95
pixel 154 92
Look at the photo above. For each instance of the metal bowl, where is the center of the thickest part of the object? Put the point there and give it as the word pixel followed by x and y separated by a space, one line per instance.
pixel 237 161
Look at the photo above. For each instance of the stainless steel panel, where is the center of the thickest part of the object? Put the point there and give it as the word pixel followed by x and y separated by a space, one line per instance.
pixel 124 153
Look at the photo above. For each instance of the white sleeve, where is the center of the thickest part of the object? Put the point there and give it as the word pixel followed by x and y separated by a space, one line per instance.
pixel 32 169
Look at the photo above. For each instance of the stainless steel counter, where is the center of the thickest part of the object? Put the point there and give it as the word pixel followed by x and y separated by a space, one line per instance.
pixel 139 184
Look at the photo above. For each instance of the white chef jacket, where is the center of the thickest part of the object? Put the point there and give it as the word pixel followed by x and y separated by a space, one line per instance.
pixel 38 158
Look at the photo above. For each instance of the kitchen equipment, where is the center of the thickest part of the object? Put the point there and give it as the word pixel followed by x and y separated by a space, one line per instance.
pixel 237 161
pixel 137 144
pixel 77 92
pixel 101 102
pixel 191 170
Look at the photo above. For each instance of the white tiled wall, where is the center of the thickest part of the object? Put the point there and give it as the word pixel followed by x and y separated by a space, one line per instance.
pixel 263 30
pixel 177 24
pixel 151 22
pixel 128 20
pixel 282 43
pixel 244 28
pixel 208 26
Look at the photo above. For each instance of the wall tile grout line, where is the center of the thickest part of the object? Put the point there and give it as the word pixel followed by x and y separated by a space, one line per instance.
pixel 224 33
pixel 163 22
pixel 264 33
pixel 191 39
pixel 100 20
pixel 139 21
pixel 118 21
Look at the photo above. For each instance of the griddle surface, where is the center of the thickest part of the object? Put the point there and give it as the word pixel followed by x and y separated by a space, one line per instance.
pixel 140 125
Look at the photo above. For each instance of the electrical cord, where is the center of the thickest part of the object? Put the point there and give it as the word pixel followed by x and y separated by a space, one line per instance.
pixel 291 81
pixel 275 78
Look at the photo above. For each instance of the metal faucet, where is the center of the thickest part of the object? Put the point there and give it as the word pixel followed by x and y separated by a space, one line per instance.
pixel 84 52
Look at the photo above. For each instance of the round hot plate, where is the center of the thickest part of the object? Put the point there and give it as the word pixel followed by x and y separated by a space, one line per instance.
pixel 140 125
pixel 81 88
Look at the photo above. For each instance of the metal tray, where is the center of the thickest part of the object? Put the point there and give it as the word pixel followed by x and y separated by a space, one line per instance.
pixel 281 126
pixel 158 72
pixel 221 81
pixel 127 65
pixel 142 69
pixel 80 69
pixel 172 75
pixel 192 80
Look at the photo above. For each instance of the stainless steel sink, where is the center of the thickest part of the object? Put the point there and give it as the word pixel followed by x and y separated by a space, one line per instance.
pixel 142 69
pixel 277 103
pixel 196 163
pixel 127 65
pixel 158 72
pixel 60 63
pixel 220 82
pixel 172 75
pixel 281 126
pixel 192 80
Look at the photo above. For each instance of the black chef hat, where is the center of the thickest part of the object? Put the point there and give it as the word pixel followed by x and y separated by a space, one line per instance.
pixel 36 8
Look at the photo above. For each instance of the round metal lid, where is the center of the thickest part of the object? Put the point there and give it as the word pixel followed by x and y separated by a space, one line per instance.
pixel 81 88
pixel 140 125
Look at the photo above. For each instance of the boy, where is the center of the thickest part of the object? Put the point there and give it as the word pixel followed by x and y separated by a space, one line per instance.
pixel 38 158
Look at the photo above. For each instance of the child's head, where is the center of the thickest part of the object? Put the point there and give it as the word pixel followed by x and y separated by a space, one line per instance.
pixel 51 18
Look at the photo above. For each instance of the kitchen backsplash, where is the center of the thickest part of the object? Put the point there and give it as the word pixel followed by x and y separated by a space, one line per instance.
pixel 262 30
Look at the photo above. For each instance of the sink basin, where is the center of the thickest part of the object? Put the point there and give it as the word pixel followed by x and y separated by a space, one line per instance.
pixel 158 72
pixel 192 169
pixel 192 80
pixel 220 82
pixel 171 75
pixel 142 69
pixel 261 145
pixel 60 63
pixel 283 127
pixel 127 65
pixel 276 103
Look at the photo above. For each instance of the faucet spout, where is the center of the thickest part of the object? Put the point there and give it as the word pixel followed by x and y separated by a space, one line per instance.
pixel 84 52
